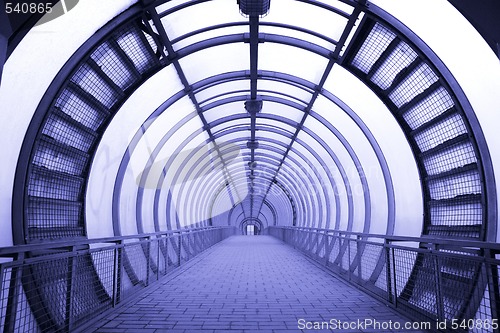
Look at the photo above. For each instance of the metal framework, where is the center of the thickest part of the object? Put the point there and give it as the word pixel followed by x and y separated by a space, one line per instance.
pixel 280 152
pixel 434 295
pixel 66 285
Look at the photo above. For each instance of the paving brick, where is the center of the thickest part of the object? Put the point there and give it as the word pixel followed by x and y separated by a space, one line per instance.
pixel 245 284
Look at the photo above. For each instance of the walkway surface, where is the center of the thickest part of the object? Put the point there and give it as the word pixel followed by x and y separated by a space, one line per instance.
pixel 250 284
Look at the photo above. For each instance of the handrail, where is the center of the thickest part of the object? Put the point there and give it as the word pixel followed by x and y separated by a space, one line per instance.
pixel 44 285
pixel 393 238
pixel 16 249
pixel 440 280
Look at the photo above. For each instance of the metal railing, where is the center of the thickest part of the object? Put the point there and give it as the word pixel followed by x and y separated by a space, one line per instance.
pixel 452 285
pixel 64 286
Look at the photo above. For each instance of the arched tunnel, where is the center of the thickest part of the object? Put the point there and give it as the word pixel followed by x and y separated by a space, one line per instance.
pixel 137 134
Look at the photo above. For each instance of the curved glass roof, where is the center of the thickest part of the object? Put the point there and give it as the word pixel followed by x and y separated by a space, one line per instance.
pixel 191 113
pixel 323 114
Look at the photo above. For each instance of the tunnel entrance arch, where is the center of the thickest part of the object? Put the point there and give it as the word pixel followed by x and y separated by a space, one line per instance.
pixel 251 227
pixel 49 199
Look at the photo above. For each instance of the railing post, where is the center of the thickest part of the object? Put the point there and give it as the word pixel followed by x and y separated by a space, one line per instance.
pixel 388 270
pixel 493 286
pixel 327 247
pixel 438 282
pixel 179 251
pixel 166 253
pixel 70 281
pixel 158 252
pixel 196 245
pixel 148 259
pixel 358 255
pixel 348 240
pixel 117 272
pixel 13 296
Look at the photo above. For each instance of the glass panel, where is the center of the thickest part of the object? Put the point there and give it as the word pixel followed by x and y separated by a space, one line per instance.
pixel 282 111
pixel 351 34
pixel 340 121
pixel 139 48
pixel 298 62
pixel 224 111
pixel 262 150
pixel 296 94
pixel 275 136
pixel 243 135
pixel 298 159
pixel 261 121
pixel 64 130
pixel 341 5
pixel 310 17
pixel 94 83
pixel 209 95
pixel 240 30
pixel 313 168
pixel 222 59
pixel 198 154
pixel 45 213
pixel 200 15
pixel 216 130
pixel 297 34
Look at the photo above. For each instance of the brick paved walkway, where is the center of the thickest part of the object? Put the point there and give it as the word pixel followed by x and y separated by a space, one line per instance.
pixel 247 284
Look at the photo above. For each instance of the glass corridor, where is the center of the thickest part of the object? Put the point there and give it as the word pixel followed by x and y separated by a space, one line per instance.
pixel 138 134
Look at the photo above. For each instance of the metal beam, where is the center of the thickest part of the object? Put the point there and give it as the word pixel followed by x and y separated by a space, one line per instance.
pixel 5 33
pixel 333 59
pixel 172 56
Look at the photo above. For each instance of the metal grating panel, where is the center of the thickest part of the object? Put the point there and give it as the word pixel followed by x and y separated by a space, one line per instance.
pixel 415 83
pixel 456 279
pixel 46 213
pixel 420 292
pixel 68 132
pixel 110 63
pixel 455 185
pixel 401 57
pixel 55 157
pixel 94 84
pixel 466 212
pixel 441 132
pixel 433 105
pixel 80 110
pixel 138 48
pixel 67 137
pixel 377 41
pixel 429 279
pixel 67 287
pixel 452 157
pixel 46 184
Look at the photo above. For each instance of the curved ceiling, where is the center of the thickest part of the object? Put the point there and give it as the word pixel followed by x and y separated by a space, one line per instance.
pixel 191 113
